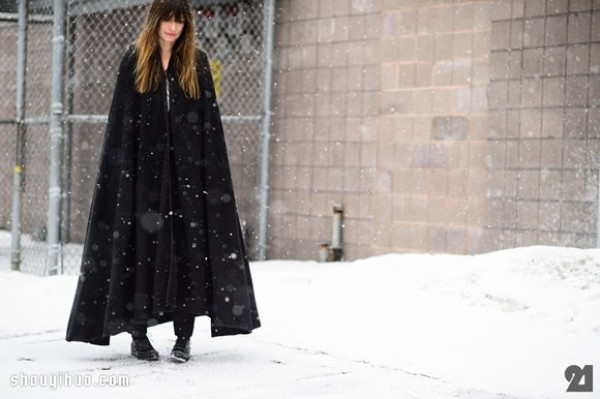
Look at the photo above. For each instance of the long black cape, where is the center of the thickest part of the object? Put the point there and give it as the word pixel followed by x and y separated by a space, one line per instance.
pixel 163 233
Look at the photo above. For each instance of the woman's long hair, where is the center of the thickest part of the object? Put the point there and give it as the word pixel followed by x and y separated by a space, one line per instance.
pixel 149 70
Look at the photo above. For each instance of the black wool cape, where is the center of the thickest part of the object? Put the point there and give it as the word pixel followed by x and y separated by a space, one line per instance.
pixel 163 233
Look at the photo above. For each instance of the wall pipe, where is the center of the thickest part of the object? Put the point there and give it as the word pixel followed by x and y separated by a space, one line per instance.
pixel 337 250
pixel 15 249
pixel 268 29
pixel 56 140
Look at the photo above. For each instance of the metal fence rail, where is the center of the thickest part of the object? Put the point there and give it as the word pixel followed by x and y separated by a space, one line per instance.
pixel 59 62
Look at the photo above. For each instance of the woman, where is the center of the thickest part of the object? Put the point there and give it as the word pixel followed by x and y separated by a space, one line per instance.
pixel 163 240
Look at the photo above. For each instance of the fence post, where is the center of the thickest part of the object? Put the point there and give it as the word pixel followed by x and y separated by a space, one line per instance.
pixel 15 251
pixel 56 137
pixel 65 229
pixel 268 29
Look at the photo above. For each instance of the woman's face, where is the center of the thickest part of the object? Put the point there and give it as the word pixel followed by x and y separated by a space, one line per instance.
pixel 169 31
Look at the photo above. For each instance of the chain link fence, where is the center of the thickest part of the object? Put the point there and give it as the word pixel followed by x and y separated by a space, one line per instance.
pixel 9 32
pixel 96 35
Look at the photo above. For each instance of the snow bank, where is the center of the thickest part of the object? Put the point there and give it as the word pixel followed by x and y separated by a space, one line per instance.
pixel 503 324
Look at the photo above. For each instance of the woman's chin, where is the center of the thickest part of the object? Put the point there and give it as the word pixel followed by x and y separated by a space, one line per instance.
pixel 169 39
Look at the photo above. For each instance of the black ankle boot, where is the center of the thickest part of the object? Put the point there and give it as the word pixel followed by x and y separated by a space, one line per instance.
pixel 181 350
pixel 142 349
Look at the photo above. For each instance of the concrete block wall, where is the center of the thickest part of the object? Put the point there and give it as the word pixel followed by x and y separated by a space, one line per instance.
pixel 326 105
pixel 380 105
pixel 544 136
pixel 483 133
pixel 433 122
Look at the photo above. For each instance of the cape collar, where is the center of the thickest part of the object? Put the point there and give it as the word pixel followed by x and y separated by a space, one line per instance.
pixel 171 66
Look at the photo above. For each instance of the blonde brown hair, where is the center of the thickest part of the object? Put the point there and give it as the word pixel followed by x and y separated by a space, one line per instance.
pixel 148 70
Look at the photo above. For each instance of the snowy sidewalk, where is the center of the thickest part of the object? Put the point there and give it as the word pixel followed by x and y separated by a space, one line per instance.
pixel 499 325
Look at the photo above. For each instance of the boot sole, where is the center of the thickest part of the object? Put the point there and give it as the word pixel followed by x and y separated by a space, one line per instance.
pixel 146 357
pixel 178 358
pixel 150 355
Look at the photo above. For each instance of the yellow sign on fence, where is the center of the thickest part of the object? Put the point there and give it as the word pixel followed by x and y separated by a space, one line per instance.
pixel 215 68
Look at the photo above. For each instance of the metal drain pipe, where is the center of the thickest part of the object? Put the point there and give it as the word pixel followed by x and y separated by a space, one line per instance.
pixel 337 250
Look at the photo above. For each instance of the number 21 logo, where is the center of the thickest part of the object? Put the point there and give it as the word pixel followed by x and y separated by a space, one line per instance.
pixel 575 375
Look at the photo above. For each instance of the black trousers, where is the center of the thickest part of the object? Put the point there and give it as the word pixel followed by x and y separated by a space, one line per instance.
pixel 183 326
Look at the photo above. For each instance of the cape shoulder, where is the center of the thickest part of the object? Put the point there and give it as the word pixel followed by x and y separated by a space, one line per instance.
pixel 128 58
pixel 205 74
pixel 202 61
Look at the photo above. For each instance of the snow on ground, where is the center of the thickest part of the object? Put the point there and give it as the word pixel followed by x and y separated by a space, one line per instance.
pixel 500 325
